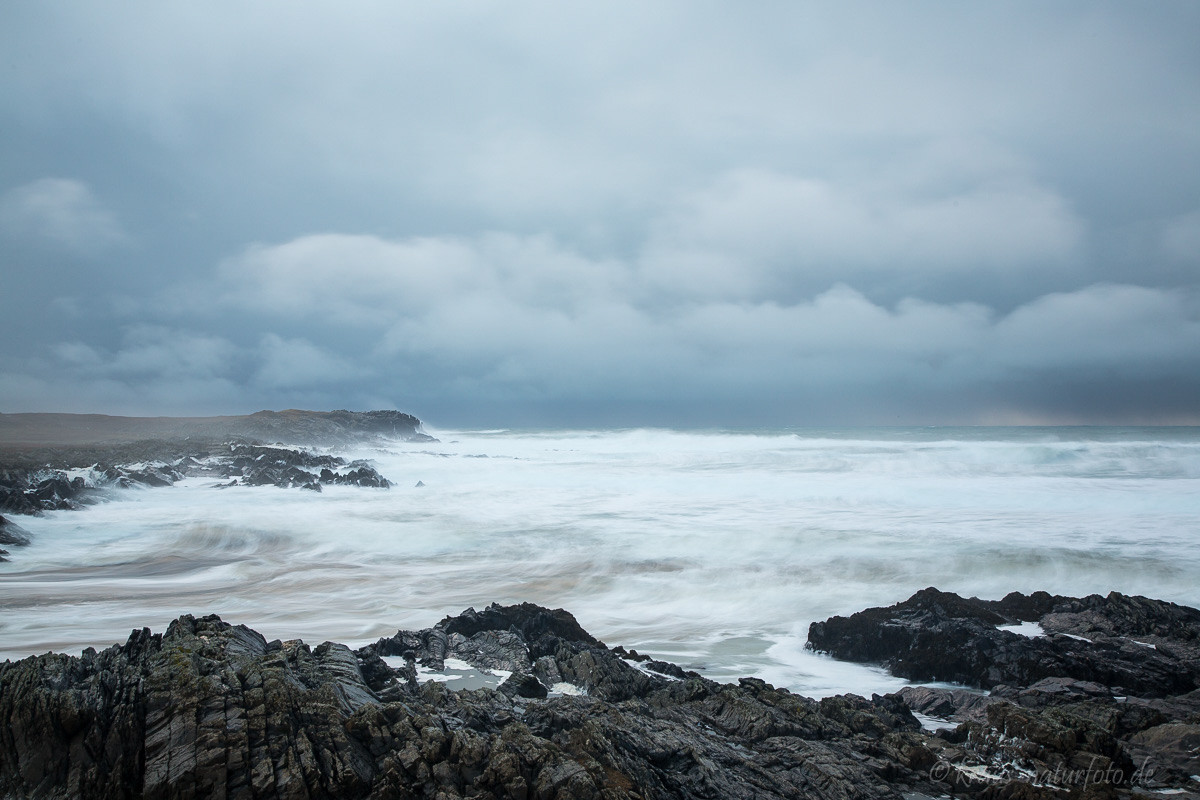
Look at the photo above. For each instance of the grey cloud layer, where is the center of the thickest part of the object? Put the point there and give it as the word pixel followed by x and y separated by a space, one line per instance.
pixel 58 213
pixel 522 321
pixel 513 214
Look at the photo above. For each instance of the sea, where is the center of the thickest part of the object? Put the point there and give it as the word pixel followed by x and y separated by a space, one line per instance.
pixel 713 549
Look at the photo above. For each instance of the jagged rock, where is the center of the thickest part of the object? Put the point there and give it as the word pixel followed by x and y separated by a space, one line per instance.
pixel 545 669
pixel 428 647
pixel 14 501
pixel 149 476
pixel 57 492
pixel 284 477
pixel 211 709
pixel 361 475
pixel 1106 694
pixel 531 621
pixel 157 476
pixel 34 490
pixel 364 476
pixel 943 637
pixel 492 649
pixel 273 466
pixel 522 684
pixel 13 534
pixel 123 452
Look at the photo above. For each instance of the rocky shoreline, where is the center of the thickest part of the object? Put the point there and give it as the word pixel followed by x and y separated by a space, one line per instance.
pixel 209 709
pixel 1098 687
pixel 54 462
pixel 38 489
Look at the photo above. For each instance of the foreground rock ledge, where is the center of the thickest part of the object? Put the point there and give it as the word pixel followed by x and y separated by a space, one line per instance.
pixel 209 709
pixel 1090 688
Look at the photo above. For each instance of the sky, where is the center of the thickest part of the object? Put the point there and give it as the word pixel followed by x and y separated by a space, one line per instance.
pixel 629 213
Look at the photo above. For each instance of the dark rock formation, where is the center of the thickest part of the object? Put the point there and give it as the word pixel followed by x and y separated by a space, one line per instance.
pixel 1173 748
pixel 1143 647
pixel 959 705
pixel 521 684
pixel 1105 697
pixel 128 452
pixel 527 619
pixel 12 535
pixel 361 475
pixel 276 466
pixel 214 710
pixel 127 477
pixel 34 491
pixel 37 489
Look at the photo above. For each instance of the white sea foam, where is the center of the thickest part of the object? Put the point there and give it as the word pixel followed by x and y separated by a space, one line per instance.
pixel 930 723
pixel 712 550
pixel 1030 629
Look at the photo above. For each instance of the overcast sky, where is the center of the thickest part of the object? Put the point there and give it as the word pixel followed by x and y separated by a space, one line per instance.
pixel 647 213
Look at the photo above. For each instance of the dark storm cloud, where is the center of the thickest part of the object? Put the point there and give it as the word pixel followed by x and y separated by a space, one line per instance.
pixel 637 214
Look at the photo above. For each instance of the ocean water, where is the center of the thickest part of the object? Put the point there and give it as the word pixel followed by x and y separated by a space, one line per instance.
pixel 711 549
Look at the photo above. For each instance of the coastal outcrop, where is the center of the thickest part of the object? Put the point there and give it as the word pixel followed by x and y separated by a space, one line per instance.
pixel 52 462
pixel 38 489
pixel 1100 691
pixel 1144 647
pixel 31 491
pixel 209 709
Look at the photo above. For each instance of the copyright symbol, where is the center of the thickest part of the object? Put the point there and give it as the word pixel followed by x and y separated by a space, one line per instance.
pixel 939 771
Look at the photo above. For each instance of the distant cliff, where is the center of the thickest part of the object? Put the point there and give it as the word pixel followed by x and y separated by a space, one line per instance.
pixel 327 428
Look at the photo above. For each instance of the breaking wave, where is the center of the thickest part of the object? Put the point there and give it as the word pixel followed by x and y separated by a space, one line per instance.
pixel 712 549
